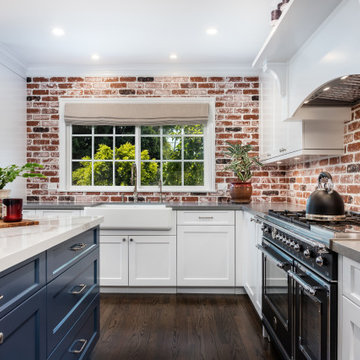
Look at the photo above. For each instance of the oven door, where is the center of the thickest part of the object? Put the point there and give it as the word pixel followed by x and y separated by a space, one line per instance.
pixel 315 316
pixel 277 296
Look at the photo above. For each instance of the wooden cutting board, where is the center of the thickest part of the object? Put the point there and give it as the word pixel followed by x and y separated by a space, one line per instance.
pixel 23 222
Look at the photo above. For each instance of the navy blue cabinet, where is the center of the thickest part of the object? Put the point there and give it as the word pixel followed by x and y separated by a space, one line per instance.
pixel 23 330
pixel 49 304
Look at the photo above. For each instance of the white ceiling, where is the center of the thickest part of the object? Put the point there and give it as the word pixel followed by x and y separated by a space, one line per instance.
pixel 134 31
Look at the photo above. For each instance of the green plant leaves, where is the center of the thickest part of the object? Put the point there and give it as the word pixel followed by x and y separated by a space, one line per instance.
pixel 9 173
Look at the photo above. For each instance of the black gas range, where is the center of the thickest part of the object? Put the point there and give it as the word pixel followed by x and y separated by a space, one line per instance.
pixel 300 272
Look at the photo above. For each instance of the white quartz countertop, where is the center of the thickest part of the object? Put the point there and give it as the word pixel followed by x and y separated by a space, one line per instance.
pixel 18 244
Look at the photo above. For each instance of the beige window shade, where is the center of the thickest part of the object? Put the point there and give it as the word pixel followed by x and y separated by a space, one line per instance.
pixel 136 113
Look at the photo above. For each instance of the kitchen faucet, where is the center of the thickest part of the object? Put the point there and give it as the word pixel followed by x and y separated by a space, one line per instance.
pixel 160 190
pixel 134 180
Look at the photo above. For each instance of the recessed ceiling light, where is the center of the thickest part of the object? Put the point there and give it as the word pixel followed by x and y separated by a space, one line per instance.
pixel 95 56
pixel 212 31
pixel 344 77
pixel 327 88
pixel 306 101
pixel 297 158
pixel 58 31
pixel 173 56
pixel 278 162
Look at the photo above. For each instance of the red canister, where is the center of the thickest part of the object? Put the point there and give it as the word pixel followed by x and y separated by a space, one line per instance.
pixel 12 210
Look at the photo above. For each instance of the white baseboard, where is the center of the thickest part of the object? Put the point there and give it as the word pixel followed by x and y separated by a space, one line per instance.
pixel 170 290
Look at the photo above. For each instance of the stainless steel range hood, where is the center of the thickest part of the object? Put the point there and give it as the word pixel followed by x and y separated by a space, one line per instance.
pixel 332 100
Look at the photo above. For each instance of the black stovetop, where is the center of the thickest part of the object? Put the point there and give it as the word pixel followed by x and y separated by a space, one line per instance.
pixel 350 224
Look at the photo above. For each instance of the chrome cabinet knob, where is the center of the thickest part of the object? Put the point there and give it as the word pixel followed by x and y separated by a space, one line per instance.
pixel 297 247
pixel 319 261
pixel 307 253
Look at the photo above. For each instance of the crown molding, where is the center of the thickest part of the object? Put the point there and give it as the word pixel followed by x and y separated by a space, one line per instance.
pixel 144 70
pixel 11 62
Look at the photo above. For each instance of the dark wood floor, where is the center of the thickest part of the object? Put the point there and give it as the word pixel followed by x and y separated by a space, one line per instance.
pixel 191 327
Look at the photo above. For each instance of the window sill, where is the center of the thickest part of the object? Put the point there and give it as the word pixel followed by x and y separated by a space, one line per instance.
pixel 130 189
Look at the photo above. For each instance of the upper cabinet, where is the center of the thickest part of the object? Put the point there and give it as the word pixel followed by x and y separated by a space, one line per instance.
pixel 313 43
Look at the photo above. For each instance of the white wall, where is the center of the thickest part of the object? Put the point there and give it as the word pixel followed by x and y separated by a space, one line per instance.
pixel 12 120
pixel 333 51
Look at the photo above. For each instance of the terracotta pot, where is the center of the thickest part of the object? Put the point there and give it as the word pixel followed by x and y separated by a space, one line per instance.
pixel 240 192
pixel 4 193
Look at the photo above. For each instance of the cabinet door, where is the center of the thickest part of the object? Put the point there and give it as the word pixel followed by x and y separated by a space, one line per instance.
pixel 23 330
pixel 113 260
pixel 350 341
pixel 152 261
pixel 252 260
pixel 205 256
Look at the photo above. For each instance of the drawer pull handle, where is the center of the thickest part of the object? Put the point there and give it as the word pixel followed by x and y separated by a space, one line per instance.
pixel 1 297
pixel 1 338
pixel 78 247
pixel 206 217
pixel 82 288
pixel 83 343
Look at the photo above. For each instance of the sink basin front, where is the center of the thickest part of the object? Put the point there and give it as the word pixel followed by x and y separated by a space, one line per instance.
pixel 133 216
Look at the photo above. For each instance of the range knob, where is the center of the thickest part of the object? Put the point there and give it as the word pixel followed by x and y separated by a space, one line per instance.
pixel 292 244
pixel 288 242
pixel 285 240
pixel 319 261
pixel 297 247
pixel 274 233
pixel 307 253
pixel 278 237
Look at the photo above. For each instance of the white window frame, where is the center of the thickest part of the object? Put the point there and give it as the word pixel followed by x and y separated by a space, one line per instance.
pixel 209 148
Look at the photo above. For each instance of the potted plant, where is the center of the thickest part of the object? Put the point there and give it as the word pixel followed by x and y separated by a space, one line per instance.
pixel 9 173
pixel 241 163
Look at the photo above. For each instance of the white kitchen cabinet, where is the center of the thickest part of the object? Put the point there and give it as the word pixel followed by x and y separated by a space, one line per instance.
pixel 283 140
pixel 114 261
pixel 248 257
pixel 350 334
pixel 127 260
pixel 205 256
pixel 152 260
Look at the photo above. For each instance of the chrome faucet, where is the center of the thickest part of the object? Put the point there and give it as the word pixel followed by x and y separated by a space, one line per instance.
pixel 160 190
pixel 134 181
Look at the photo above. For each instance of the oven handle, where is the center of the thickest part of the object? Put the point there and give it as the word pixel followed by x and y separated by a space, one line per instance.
pixel 278 263
pixel 308 288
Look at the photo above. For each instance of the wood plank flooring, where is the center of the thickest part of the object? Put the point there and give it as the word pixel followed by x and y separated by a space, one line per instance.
pixel 181 327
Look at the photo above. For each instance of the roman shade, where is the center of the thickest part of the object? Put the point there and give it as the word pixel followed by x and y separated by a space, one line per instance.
pixel 133 114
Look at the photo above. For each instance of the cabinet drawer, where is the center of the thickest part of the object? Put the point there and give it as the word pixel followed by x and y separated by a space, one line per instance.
pixel 81 339
pixel 24 330
pixel 351 280
pixel 205 217
pixel 69 295
pixel 64 255
pixel 21 281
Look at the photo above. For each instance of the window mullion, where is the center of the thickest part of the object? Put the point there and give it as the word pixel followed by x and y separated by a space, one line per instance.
pixel 113 176
pixel 138 155
pixel 182 156
pixel 92 155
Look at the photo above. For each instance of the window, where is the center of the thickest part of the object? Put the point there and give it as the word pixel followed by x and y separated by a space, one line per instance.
pixel 110 157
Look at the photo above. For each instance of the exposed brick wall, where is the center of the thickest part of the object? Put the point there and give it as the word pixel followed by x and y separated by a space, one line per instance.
pixel 345 169
pixel 237 117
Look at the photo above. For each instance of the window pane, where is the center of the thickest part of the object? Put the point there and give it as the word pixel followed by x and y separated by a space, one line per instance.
pixel 103 129
pixel 103 148
pixel 172 129
pixel 172 148
pixel 150 173
pixel 81 147
pixel 123 173
pixel 103 173
pixel 150 130
pixel 150 148
pixel 81 129
pixel 194 129
pixel 125 129
pixel 172 173
pixel 125 148
pixel 193 173
pixel 193 148
pixel 81 173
